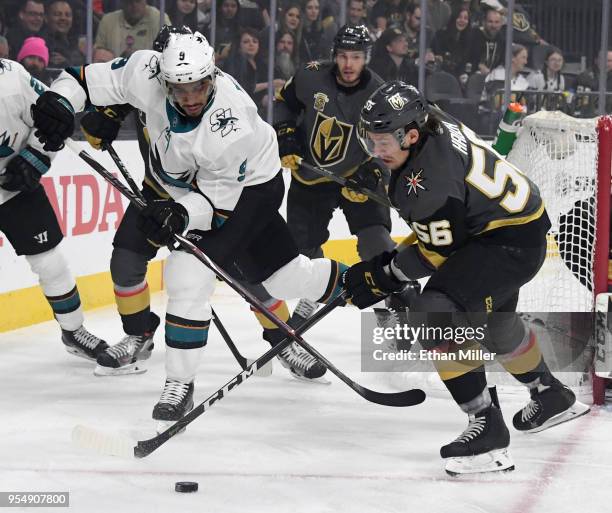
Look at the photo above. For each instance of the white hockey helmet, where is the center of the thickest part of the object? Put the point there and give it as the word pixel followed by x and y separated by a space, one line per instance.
pixel 187 58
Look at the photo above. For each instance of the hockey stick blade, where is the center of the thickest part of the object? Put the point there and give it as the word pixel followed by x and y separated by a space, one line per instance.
pixel 102 443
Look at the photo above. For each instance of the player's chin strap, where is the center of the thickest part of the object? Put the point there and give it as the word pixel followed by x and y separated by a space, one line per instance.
pixel 407 398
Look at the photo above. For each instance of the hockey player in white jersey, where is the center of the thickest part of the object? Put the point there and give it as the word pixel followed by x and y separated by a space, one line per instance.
pixel 27 219
pixel 218 161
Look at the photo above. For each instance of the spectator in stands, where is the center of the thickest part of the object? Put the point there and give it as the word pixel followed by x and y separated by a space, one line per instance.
pixel 102 55
pixel 30 22
pixel 247 65
pixel 588 82
pixel 227 28
pixel 438 14
pixel 356 13
pixel 496 79
pixel 390 58
pixel 131 28
pixel 451 45
pixel 254 14
pixel 34 57
pixel 487 49
pixel 291 21
pixel 4 48
pixel 62 43
pixel 316 40
pixel 412 30
pixel 549 78
pixel 387 13
pixel 186 12
pixel 286 61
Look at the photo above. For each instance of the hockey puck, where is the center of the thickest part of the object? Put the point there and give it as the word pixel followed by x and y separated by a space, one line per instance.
pixel 186 486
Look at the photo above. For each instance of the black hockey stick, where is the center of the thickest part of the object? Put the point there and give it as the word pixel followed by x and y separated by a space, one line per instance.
pixel 118 445
pixel 371 194
pixel 242 361
pixel 407 398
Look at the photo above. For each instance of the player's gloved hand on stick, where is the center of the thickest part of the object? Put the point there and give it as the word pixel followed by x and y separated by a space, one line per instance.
pixel 367 282
pixel 102 125
pixel 24 170
pixel 161 219
pixel 53 119
pixel 289 148
pixel 368 176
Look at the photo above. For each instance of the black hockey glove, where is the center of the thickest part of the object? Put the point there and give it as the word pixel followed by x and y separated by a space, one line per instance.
pixel 367 282
pixel 53 119
pixel 368 176
pixel 24 170
pixel 161 219
pixel 102 125
pixel 289 147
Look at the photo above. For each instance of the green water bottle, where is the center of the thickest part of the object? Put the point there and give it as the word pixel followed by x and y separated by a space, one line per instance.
pixel 508 128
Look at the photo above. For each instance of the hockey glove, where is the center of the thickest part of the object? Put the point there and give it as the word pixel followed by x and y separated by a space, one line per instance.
pixel 102 125
pixel 53 119
pixel 289 148
pixel 161 219
pixel 24 170
pixel 368 176
pixel 367 282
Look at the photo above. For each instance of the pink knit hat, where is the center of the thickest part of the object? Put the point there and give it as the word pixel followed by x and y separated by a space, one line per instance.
pixel 34 46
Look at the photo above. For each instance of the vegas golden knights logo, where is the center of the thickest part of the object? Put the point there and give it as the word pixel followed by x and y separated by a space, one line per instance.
pixel 520 22
pixel 329 140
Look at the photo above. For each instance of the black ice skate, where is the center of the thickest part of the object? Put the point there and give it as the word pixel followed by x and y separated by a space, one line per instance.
pixel 483 446
pixel 302 364
pixel 84 344
pixel 122 358
pixel 176 400
pixel 551 403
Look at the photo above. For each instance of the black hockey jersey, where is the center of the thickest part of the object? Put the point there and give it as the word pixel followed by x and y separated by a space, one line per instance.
pixel 454 188
pixel 327 114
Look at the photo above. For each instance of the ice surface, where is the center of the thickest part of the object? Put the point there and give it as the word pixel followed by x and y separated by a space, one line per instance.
pixel 273 444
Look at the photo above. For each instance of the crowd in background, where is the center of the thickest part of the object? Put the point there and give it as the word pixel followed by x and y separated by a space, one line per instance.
pixel 464 46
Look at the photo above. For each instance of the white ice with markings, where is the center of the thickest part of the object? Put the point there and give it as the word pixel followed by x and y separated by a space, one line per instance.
pixel 273 444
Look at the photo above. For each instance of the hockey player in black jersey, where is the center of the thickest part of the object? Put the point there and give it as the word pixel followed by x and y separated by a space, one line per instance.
pixel 315 116
pixel 481 227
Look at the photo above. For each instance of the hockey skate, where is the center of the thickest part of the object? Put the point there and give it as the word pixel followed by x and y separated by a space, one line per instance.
pixel 83 344
pixel 303 310
pixel 483 446
pixel 302 364
pixel 123 357
pixel 551 403
pixel 176 400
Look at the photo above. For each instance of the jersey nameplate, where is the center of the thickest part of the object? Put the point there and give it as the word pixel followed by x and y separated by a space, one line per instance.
pixel 457 138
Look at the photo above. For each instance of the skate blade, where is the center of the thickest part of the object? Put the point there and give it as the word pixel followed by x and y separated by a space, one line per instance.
pixel 264 371
pixel 132 368
pixel 163 425
pixel 576 410
pixel 103 443
pixel 317 381
pixel 75 352
pixel 497 460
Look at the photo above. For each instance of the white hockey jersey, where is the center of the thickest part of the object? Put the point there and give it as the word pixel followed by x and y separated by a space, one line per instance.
pixel 218 154
pixel 18 91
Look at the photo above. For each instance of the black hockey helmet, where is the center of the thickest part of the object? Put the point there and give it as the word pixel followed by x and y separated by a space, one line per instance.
pixel 393 108
pixel 352 37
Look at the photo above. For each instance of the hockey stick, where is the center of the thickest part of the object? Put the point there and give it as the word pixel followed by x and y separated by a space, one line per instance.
pixel 118 445
pixel 242 361
pixel 406 398
pixel 264 371
pixel 371 194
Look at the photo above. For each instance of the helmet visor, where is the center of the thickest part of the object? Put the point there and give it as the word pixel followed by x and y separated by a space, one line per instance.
pixel 191 97
pixel 380 146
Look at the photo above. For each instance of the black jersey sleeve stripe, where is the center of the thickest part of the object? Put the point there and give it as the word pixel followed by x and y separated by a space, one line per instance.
pixel 78 73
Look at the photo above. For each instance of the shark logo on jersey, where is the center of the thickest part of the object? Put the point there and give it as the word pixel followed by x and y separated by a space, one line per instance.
pixel 329 140
pixel 5 140
pixel 222 120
